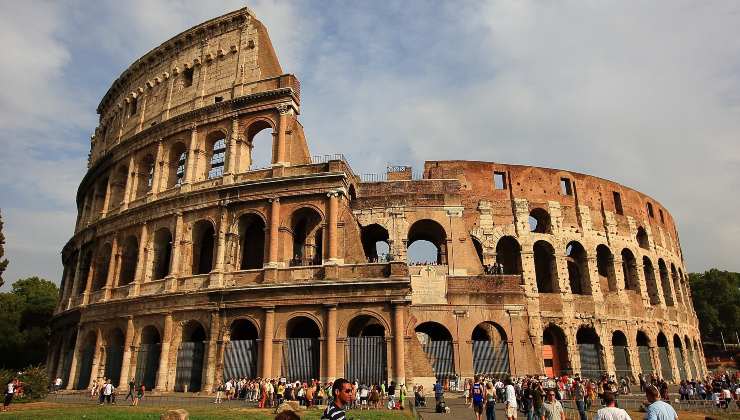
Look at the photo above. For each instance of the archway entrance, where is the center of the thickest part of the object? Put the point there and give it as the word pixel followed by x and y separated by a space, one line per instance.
pixel 189 372
pixel 643 351
pixel 436 341
pixel 147 359
pixel 554 352
pixel 621 355
pixel 690 355
pixel 301 350
pixel 366 351
pixel 240 357
pixel 87 353
pixel 114 355
pixel 490 350
pixel 665 362
pixel 67 357
pixel 589 349
pixel 678 350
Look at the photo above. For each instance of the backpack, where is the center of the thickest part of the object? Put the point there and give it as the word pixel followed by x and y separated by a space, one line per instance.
pixel 477 392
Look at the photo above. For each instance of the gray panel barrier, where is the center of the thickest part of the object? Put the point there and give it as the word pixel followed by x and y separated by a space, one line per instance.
pixel 621 361
pixel 665 364
pixel 147 365
pixel 646 362
pixel 490 358
pixel 679 362
pixel 85 367
pixel 591 366
pixel 301 358
pixel 240 359
pixel 189 373
pixel 441 357
pixel 113 361
pixel 366 360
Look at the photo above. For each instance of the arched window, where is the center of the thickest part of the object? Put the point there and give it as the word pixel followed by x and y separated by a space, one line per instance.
pixel 677 284
pixel 203 244
pixel 680 357
pixel 665 282
pixel 260 145
pixel 162 253
pixel 85 270
pixel 621 355
pixel 129 259
pixel 114 343
pixel 102 264
pixel 189 371
pixel 307 237
pixel 427 243
pixel 539 221
pixel 629 268
pixel 652 285
pixel 147 358
pixel 605 267
pixel 218 156
pixel 251 241
pixel 545 267
pixel 302 355
pixel 490 350
pixel 118 186
pixel 145 175
pixel 375 242
pixel 642 238
pixel 589 348
pixel 663 355
pixel 176 161
pixel 509 255
pixel 578 275
pixel 366 348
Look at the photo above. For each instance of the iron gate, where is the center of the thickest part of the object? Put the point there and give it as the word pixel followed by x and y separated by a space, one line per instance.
pixel 441 357
pixel 366 360
pixel 147 365
pixel 85 370
pixel 646 362
pixel 189 372
pixel 490 359
pixel 679 362
pixel 665 364
pixel 590 360
pixel 113 361
pixel 621 361
pixel 301 359
pixel 240 359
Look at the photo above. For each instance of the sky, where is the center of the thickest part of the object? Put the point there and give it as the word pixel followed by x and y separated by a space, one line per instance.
pixel 643 93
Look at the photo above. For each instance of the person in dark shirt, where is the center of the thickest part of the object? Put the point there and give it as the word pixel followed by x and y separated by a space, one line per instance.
pixel 342 393
pixel 537 397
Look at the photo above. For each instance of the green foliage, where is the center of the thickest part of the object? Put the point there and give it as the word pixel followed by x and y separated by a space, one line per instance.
pixel 716 297
pixel 3 262
pixel 25 313
pixel 35 382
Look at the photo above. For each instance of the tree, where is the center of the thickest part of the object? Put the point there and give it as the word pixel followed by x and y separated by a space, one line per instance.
pixel 716 297
pixel 3 262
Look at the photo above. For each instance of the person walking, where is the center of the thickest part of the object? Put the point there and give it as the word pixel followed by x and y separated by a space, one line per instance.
pixel 107 391
pixel 610 410
pixel 658 410
pixel 476 394
pixel 551 408
pixel 131 391
pixel 579 395
pixel 9 393
pixel 490 398
pixel 510 402
pixel 342 396
pixel 139 395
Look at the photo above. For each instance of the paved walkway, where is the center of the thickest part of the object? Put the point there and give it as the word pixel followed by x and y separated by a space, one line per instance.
pixel 458 409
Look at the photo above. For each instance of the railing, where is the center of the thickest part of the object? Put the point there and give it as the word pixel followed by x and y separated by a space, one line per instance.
pixel 327 158
pixel 152 287
pixel 120 292
pixel 197 282
pixel 97 296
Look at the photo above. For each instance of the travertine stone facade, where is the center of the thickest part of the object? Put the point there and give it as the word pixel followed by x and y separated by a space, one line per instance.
pixel 187 257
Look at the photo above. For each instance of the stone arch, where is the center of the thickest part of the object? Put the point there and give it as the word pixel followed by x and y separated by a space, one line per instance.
pixel 545 267
pixel 375 239
pixel 620 349
pixel 119 176
pixel 260 155
pixel 162 253
pixel 509 255
pixel 643 352
pixel 215 153
pixel 344 325
pixel 281 331
pixel 629 268
pixel 690 357
pixel 666 370
pixel 85 361
pixel 177 161
pixel 204 244
pixel 145 174
pixel 307 234
pixel 301 349
pixel 677 284
pixel 129 260
pixel 680 357
pixel 540 221
pixel 578 272
pixel 589 350
pixel 490 349
pixel 652 285
pixel 102 266
pixel 114 348
pixel 665 282
pixel 436 341
pixel 429 231
pixel 555 351
pixel 251 228
pixel 366 349
pixel 605 268
pixel 478 246
pixel 189 370
pixel 86 264
pixel 242 352
pixel 642 238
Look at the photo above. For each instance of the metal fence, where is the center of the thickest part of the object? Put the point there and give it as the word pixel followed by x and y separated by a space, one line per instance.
pixel 590 360
pixel 240 359
pixel 189 372
pixel 489 358
pixel 327 158
pixel 440 356
pixel 301 359
pixel 366 360
pixel 665 364
pixel 147 365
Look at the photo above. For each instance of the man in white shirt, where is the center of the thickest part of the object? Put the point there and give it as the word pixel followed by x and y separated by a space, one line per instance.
pixel 510 402
pixel 57 384
pixel 107 391
pixel 610 411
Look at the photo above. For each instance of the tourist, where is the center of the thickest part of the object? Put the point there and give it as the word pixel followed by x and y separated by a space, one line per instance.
pixel 57 384
pixel 490 398
pixel 392 396
pixel 341 393
pixel 131 390
pixel 476 391
pixel 139 394
pixel 579 395
pixel 438 391
pixel 466 391
pixel 610 410
pixel 658 410
pixel 538 397
pixel 402 395
pixel 551 408
pixel 9 393
pixel 107 391
pixel 219 393
pixel 94 389
pixel 510 403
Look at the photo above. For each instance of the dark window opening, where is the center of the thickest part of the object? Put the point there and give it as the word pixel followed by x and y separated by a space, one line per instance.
pixel 539 221
pixel 566 188
pixel 218 99
pixel 499 180
pixel 188 77
pixel 650 209
pixel 217 159
pixel 133 106
pixel 545 268
pixel 660 213
pixel 618 203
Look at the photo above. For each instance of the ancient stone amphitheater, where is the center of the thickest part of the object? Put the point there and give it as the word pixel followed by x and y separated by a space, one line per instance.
pixel 191 262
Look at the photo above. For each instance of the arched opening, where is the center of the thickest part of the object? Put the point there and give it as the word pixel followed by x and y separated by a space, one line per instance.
pixel 677 284
pixel 301 350
pixel 367 361
pixel 129 259
pixel 118 186
pixel 375 242
pixel 643 351
pixel 189 372
pixel 665 362
pixel 642 238
pixel 84 367
pixel 539 221
pixel 427 243
pixel 578 277
pixel 144 175
pixel 690 355
pixel 251 242
pixel 629 268
pixel 478 249
pixel 680 357
pixel 545 267
pixel 240 357
pixel 307 237
pixel 509 255
pixel 114 343
pixel 605 267
pixel 102 266
pixel 652 285
pixel 665 282
pixel 203 244
pixel 436 341
pixel 490 350
pixel 87 258
pixel 260 145
pixel 162 253
pixel 177 160
pixel 621 355
pixel 68 349
pixel 555 352
pixel 217 154
pixel 589 349
pixel 147 358
pixel 100 191
pixel 698 359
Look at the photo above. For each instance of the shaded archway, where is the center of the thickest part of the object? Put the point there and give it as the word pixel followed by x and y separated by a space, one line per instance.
pixel 177 160
pixel 690 355
pixel 665 361
pixel 147 358
pixel 605 268
pixel 87 259
pixel 162 253
pixel 432 233
pixel 621 355
pixel 629 268
pixel 677 284
pixel 307 237
pixel 555 351
pixel 643 352
pixel 642 238
pixel 578 275
pixel 129 259
pixel 189 371
pixel 114 355
pixel 652 285
pixel 539 221
pixel 260 145
pixel 301 350
pixel 490 350
pixel 366 348
pixel 118 186
pixel 85 355
pixel 251 242
pixel 144 175
pixel 436 341
pixel 102 266
pixel 203 247
pixel 240 357
pixel 545 267
pixel 509 255
pixel 68 350
pixel 678 351
pixel 589 350
pixel 665 282
pixel 375 240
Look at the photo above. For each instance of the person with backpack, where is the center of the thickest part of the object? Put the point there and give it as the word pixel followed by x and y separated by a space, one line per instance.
pixel 490 402
pixel 476 395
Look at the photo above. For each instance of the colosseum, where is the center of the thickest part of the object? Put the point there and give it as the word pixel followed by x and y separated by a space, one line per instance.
pixel 192 261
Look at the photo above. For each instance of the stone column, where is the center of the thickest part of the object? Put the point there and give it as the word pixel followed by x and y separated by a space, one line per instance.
pixel 331 342
pixel 89 280
pixel 267 337
pixel 140 261
pixel 177 241
pixel 96 362
pixel 574 355
pixel 231 169
pixel 192 156
pixel 216 279
pixel 76 281
pixel 158 168
pixel 399 346
pixel 106 199
pixel 130 178
pixel 333 217
pixel 164 355
pixel 73 366
pixel 112 268
pixel 273 260
pixel 282 128
pixel 209 370
pixel 128 341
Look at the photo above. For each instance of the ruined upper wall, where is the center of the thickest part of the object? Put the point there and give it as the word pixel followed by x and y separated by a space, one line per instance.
pixel 218 60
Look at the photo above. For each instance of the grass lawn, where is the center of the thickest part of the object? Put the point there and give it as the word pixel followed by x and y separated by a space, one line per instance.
pixel 44 410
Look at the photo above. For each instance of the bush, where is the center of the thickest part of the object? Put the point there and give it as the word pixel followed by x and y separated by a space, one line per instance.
pixel 34 378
